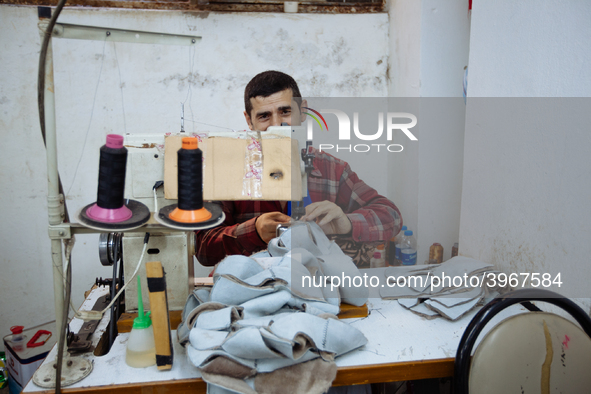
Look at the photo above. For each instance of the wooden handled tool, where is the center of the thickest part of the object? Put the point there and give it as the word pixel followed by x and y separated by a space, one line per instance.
pixel 160 321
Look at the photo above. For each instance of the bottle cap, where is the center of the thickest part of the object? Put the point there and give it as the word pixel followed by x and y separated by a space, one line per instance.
pixel 408 232
pixel 190 143
pixel 380 247
pixel 404 228
pixel 141 321
pixel 114 141
pixel 16 330
pixel 436 244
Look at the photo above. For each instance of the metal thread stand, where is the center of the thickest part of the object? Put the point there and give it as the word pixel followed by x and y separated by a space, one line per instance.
pixel 75 369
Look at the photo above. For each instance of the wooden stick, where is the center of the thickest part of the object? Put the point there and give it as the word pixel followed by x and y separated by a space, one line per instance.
pixel 160 320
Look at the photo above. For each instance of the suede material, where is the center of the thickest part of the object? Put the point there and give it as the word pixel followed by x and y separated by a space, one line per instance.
pixel 270 365
pixel 223 384
pixel 248 343
pixel 200 358
pixel 184 329
pixel 266 304
pixel 220 319
pixel 441 297
pixel 311 377
pixel 229 290
pixel 238 266
pixel 263 321
pixel 207 339
pixel 228 367
pixel 342 267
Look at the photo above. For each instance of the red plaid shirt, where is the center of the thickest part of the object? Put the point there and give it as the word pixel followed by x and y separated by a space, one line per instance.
pixel 373 217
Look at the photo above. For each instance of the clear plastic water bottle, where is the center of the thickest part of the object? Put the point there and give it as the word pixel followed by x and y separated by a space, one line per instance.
pixel 392 248
pixel 400 242
pixel 408 250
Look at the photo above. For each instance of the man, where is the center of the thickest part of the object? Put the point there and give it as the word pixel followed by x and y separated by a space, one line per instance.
pixel 343 205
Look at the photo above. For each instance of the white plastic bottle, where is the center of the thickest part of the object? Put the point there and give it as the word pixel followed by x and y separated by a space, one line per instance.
pixel 408 250
pixel 379 258
pixel 141 349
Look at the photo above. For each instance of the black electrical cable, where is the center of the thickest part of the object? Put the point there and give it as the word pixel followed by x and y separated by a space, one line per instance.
pixel 41 104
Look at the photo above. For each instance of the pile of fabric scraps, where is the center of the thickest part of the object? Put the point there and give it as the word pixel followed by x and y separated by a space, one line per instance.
pixel 262 329
pixel 450 289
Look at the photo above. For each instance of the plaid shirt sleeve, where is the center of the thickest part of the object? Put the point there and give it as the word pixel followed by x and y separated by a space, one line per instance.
pixel 231 237
pixel 373 217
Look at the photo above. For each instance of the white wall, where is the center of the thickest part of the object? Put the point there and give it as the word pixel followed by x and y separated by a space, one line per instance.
pixel 429 50
pixel 324 53
pixel 527 178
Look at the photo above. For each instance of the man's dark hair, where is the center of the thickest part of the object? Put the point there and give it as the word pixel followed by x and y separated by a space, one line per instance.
pixel 267 83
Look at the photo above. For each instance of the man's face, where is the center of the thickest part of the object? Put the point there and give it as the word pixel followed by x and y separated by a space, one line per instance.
pixel 270 111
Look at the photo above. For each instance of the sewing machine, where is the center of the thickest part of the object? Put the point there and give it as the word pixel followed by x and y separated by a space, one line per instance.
pixel 150 161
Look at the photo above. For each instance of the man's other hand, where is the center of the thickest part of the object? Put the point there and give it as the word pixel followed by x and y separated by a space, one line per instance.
pixel 266 224
pixel 329 216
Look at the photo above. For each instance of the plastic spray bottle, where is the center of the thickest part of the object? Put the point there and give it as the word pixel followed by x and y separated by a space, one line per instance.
pixel 141 349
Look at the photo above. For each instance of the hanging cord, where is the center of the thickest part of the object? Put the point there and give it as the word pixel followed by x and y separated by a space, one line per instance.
pixel 98 82
pixel 41 84
pixel 189 81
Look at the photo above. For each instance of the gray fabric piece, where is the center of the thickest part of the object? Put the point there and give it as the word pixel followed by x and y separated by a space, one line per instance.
pixel 183 330
pixel 248 343
pixel 220 319
pixel 240 267
pixel 222 384
pixel 343 268
pixel 266 305
pixel 444 298
pixel 260 255
pixel 318 308
pixel 262 317
pixel 311 377
pixel 422 310
pixel 455 312
pixel 207 339
pixel 312 306
pixel 460 265
pixel 261 321
pixel 326 334
pixel 451 300
pixel 300 285
pixel 408 302
pixel 232 291
pixel 200 358
pixel 202 293
pixel 270 365
pixel 292 347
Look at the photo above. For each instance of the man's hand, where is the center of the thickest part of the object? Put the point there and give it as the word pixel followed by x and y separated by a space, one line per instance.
pixel 329 216
pixel 266 224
